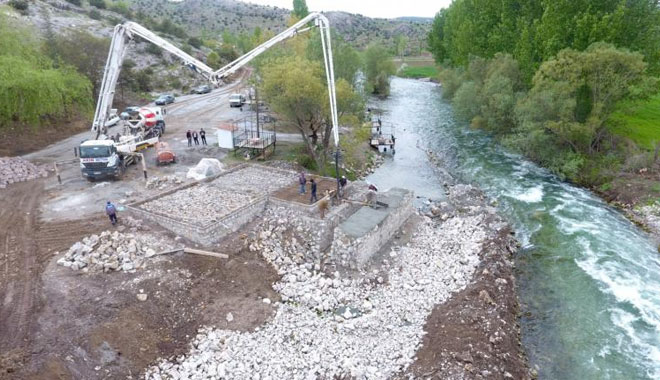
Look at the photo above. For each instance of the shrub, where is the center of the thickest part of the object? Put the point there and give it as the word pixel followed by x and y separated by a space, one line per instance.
pixel 122 8
pixel 95 15
pixel 20 5
pixel 451 80
pixel 75 2
pixel 154 50
pixel 466 101
pixel 195 42
pixel 100 4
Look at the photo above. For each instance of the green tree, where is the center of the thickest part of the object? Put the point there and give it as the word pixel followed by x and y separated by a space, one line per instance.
pixel 227 52
pixel 295 88
pixel 22 6
pixel 346 59
pixel 32 90
pixel 401 42
pixel 300 8
pixel 122 8
pixel 84 51
pixel 213 60
pixel 378 69
pixel 534 31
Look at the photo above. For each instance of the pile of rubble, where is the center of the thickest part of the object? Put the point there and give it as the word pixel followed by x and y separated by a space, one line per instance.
pixel 17 169
pixel 112 251
pixel 162 183
pixel 334 327
pixel 200 204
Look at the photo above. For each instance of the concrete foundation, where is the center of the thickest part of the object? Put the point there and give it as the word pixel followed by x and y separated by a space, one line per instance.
pixel 351 232
pixel 366 231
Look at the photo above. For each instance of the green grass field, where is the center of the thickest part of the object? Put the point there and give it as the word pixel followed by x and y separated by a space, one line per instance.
pixel 639 121
pixel 418 72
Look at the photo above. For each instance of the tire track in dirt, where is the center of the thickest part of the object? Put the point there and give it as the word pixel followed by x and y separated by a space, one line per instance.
pixel 20 262
pixel 26 248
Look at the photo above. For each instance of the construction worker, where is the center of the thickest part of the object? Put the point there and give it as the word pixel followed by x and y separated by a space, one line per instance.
pixel 302 181
pixel 343 181
pixel 313 198
pixel 189 137
pixel 202 134
pixel 111 210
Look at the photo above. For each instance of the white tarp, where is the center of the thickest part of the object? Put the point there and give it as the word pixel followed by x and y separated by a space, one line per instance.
pixel 207 167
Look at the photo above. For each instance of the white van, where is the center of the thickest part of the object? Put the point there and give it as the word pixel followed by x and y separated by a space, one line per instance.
pixel 236 100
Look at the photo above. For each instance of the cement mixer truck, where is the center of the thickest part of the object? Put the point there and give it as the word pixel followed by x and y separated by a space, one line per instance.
pixel 103 158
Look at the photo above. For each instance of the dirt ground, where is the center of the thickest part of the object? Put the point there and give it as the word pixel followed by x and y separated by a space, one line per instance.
pixel 292 192
pixel 17 141
pixel 56 323
pixel 95 321
pixel 477 330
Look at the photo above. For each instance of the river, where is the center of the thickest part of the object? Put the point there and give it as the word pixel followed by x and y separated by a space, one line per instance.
pixel 588 279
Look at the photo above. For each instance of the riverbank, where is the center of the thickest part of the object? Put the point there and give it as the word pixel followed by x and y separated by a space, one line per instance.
pixel 637 196
pixel 476 334
pixel 439 300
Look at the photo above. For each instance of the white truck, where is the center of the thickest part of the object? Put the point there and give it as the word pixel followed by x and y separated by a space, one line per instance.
pixel 236 100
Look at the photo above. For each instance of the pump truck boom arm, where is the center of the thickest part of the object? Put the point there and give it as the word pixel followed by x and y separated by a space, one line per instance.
pixel 127 31
pixel 323 24
pixel 123 34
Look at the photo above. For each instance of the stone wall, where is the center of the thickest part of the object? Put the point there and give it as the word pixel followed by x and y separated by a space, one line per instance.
pixel 355 252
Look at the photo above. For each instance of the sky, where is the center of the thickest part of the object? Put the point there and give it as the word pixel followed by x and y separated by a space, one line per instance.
pixel 370 8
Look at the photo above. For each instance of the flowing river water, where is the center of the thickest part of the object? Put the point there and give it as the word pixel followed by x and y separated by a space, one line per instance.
pixel 588 279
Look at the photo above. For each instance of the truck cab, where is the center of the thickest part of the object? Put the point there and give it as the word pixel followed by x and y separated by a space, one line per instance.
pixel 100 159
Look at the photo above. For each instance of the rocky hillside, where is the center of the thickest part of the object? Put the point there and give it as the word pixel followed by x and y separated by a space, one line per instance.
pixel 214 16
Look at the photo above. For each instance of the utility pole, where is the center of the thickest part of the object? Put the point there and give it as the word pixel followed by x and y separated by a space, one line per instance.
pixel 256 95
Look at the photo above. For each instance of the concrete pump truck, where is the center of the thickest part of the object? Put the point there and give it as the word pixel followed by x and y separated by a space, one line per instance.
pixel 104 156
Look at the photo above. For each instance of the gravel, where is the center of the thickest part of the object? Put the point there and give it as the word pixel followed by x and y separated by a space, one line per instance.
pixel 199 205
pixel 330 325
pixel 205 203
pixel 256 179
pixel 17 169
pixel 164 182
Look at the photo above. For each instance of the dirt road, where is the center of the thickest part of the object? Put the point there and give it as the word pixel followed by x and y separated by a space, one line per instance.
pixel 19 263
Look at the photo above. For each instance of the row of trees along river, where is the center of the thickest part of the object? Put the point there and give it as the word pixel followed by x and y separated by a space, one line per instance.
pixel 543 79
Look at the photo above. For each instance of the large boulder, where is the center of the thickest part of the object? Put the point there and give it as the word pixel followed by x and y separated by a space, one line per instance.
pixel 207 167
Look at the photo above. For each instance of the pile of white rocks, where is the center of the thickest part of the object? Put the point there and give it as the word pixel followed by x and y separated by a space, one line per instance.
pixel 292 244
pixel 362 329
pixel 200 204
pixel 17 169
pixel 162 183
pixel 112 251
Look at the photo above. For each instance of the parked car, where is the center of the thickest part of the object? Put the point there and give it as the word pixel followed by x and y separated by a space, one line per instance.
pixel 128 111
pixel 113 119
pixel 164 99
pixel 204 89
pixel 236 100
